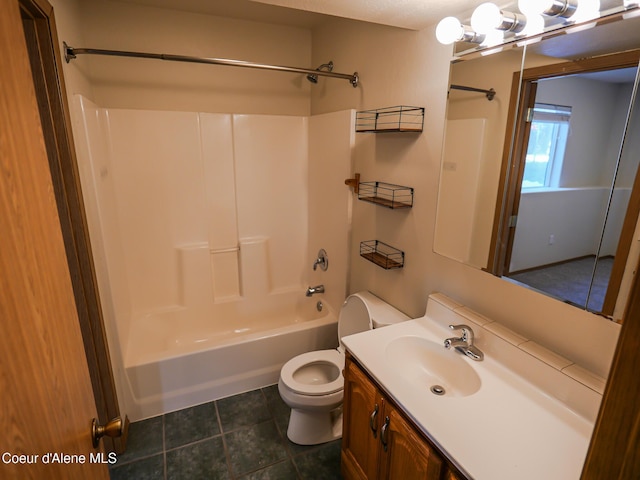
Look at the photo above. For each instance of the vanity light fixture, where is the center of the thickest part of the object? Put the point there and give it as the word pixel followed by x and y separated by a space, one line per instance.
pixel 489 23
pixel 450 30
pixel 549 8
pixel 575 11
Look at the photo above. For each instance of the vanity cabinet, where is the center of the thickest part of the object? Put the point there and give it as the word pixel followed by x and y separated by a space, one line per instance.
pixel 378 441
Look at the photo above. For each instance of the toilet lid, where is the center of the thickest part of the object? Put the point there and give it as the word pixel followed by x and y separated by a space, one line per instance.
pixel 321 356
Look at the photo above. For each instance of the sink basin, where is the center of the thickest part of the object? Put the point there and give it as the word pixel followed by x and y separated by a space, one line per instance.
pixel 430 365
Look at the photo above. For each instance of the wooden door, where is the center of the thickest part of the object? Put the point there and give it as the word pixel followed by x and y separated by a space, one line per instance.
pixel 361 427
pixel 46 397
pixel 405 454
pixel 510 189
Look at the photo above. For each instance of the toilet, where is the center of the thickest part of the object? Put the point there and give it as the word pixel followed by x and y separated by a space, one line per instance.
pixel 312 383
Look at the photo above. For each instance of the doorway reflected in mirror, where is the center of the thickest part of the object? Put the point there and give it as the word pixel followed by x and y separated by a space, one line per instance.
pixel 571 187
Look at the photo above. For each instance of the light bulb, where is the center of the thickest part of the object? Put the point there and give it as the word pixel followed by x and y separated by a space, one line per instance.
pixel 587 10
pixel 486 17
pixel 534 7
pixel 449 30
pixel 493 38
pixel 534 25
pixel 631 3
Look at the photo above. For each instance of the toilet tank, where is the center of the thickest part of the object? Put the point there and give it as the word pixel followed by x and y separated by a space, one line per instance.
pixel 364 311
pixel 380 312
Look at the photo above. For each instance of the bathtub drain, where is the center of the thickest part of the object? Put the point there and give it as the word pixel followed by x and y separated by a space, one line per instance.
pixel 437 390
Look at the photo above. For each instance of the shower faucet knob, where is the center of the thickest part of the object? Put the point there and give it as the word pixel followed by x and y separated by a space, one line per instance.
pixel 322 260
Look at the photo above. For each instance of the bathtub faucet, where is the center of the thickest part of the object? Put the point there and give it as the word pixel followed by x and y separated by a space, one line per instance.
pixel 317 289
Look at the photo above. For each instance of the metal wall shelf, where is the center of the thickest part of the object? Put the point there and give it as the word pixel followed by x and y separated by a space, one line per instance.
pixel 381 254
pixel 401 118
pixel 386 194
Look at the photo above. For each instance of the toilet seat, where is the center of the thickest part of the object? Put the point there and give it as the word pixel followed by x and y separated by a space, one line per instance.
pixel 333 357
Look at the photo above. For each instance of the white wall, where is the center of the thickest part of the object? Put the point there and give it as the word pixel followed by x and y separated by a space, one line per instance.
pixel 411 68
pixel 574 217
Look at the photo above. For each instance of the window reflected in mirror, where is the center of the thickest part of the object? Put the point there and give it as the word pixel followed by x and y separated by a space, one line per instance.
pixel 547 144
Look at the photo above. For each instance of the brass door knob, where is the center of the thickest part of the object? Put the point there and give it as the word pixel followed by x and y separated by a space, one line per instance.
pixel 114 428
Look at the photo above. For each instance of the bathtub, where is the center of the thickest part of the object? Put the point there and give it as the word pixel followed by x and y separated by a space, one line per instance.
pixel 177 357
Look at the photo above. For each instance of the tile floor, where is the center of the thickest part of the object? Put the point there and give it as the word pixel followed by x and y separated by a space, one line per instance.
pixel 236 438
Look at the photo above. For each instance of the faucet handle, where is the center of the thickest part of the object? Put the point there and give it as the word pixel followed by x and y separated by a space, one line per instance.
pixel 322 260
pixel 467 333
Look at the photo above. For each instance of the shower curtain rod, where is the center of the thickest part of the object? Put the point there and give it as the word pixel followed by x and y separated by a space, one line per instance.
pixel 70 53
pixel 489 93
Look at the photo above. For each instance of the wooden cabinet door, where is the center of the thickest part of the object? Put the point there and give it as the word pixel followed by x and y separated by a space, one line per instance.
pixel 451 475
pixel 361 428
pixel 405 454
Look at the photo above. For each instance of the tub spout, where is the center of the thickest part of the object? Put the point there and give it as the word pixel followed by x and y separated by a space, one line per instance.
pixel 316 289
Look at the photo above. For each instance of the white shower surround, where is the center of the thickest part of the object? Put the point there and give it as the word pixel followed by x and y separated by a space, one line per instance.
pixel 205 226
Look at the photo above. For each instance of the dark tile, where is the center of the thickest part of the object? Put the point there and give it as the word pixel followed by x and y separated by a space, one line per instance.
pixel 255 447
pixel 280 410
pixel 190 425
pixel 201 460
pixel 279 471
pixel 274 400
pixel 282 423
pixel 145 439
pixel 242 410
pixel 255 424
pixel 296 449
pixel 322 462
pixel 150 468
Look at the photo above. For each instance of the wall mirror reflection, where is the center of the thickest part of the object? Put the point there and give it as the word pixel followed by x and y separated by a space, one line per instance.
pixel 538 185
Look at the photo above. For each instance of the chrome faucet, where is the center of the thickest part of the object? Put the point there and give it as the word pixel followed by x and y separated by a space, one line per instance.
pixel 313 290
pixel 464 343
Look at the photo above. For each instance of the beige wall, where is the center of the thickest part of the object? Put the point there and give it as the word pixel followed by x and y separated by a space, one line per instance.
pixel 411 68
pixel 157 85
pixel 396 67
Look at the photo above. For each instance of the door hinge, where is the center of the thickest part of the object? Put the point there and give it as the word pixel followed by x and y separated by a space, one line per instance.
pixel 529 118
pixel 513 219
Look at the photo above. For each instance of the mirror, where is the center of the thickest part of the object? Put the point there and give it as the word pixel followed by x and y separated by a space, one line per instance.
pixel 549 203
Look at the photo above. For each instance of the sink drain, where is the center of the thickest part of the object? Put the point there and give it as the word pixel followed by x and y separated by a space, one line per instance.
pixel 437 390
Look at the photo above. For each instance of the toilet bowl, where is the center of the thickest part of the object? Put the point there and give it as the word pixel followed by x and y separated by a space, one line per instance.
pixel 312 383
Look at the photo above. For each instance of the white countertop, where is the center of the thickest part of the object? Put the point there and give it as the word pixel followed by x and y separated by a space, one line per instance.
pixel 508 429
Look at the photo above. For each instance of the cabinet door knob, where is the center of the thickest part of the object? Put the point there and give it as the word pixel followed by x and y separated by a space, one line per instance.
pixel 383 433
pixel 372 421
